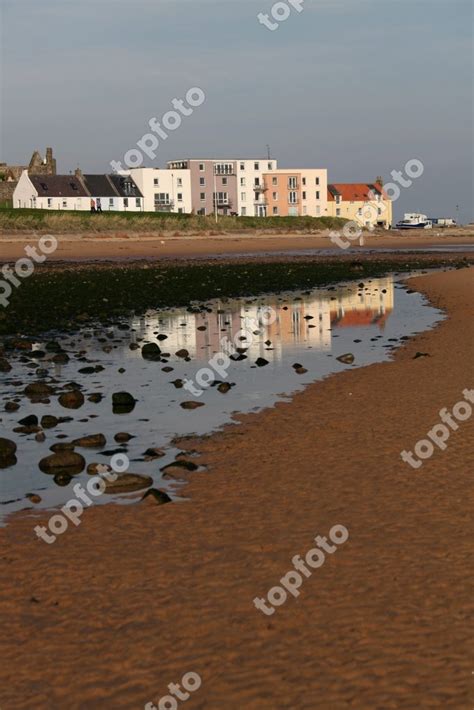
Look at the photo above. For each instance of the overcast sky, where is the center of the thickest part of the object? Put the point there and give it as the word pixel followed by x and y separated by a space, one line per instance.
pixel 357 86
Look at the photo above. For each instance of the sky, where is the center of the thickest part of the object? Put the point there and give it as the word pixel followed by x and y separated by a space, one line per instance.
pixel 359 87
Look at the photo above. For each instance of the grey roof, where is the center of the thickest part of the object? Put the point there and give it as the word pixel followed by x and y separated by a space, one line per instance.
pixel 58 186
pixel 125 186
pixel 100 186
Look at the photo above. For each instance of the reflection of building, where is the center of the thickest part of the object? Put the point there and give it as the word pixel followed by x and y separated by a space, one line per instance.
pixel 297 320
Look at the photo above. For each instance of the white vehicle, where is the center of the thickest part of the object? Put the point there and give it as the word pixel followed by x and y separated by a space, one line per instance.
pixel 415 220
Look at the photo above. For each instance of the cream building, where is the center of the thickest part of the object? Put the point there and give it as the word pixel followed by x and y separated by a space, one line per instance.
pixel 364 203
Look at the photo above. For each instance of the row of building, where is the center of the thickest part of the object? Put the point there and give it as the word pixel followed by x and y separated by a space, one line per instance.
pixel 255 187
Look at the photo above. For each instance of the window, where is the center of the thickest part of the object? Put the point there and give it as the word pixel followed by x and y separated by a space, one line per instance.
pixel 275 210
pixel 274 195
pixel 242 166
pixel 202 181
pixel 338 212
pixel 244 211
pixel 180 182
pixel 224 181
pixel 292 183
pixel 224 169
pixel 256 166
pixel 111 201
pixel 137 202
pixel 50 201
pixel 162 199
pixel 180 196
pixel 222 198
pixel 203 197
pixel 379 210
pixel 242 182
pixel 201 166
pixel 156 182
pixel 64 204
pixel 180 210
pixel 125 201
pixel 318 194
pixel 303 181
pixel 304 195
pixel 292 198
pixel 269 166
pixel 359 211
pixel 243 196
pixel 274 181
pixel 317 181
pixel 257 182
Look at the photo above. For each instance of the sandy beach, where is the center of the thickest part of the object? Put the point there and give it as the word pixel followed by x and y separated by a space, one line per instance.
pixel 137 596
pixel 74 247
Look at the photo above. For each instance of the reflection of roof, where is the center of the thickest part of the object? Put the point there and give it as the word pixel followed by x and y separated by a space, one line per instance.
pixel 359 318
pixel 354 192
pixel 58 186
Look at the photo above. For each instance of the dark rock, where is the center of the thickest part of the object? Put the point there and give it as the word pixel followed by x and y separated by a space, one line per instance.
pixel 12 407
pixel 48 421
pixel 300 370
pixel 4 365
pixel 223 388
pixel 191 405
pixel 71 400
pixel 62 479
pixel 127 483
pixel 347 358
pixel 154 453
pixel 181 463
pixel 123 403
pixel 182 353
pixel 68 462
pixel 177 383
pixel 151 351
pixel 161 336
pixel 417 355
pixel 62 446
pixel 31 420
pixel 38 389
pixel 156 497
pixel 122 437
pixel 60 358
pixel 33 498
pixel 95 397
pixel 261 362
pixel 93 441
pixel 7 448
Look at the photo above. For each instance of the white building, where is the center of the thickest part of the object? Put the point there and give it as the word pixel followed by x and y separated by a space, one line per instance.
pixel 164 190
pixel 250 184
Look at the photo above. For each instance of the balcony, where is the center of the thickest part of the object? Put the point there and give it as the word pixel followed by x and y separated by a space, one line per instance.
pixel 293 202
pixel 262 201
pixel 260 188
pixel 293 186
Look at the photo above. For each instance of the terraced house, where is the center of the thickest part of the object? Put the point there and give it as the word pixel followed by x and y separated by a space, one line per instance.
pixel 294 193
pixel 364 203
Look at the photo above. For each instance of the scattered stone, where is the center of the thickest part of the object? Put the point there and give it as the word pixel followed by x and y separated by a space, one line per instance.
pixel 94 469
pixel 4 365
pixel 182 353
pixel 223 388
pixel 151 351
pixel 134 346
pixel 154 453
pixel 62 479
pixel 60 358
pixel 48 421
pixel 417 355
pixel 261 362
pixel 31 420
pixel 127 483
pixel 40 437
pixel 123 403
pixel 167 369
pixel 156 497
pixel 34 498
pixel 161 336
pixel 122 437
pixel 71 400
pixel 177 383
pixel 93 441
pixel 26 429
pixel 180 463
pixel 95 397
pixel 191 405
pixel 68 462
pixel 38 389
pixel 7 448
pixel 300 370
pixel 346 359
pixel 62 446
pixel 12 407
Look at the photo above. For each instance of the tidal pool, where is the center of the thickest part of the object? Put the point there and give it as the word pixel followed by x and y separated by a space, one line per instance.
pixel 311 329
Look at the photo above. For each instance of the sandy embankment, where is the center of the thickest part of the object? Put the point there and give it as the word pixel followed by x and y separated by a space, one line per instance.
pixel 80 247
pixel 136 597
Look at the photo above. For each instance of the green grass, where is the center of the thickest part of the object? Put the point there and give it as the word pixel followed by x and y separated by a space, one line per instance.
pixel 59 221
pixel 69 297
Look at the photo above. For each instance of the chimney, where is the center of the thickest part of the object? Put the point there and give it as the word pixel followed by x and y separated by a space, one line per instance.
pixel 78 172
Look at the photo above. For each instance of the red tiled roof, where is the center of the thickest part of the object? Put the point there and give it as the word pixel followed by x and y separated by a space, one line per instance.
pixel 353 191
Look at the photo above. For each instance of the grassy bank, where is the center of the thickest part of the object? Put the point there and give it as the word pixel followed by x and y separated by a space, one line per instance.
pixel 70 297
pixel 60 222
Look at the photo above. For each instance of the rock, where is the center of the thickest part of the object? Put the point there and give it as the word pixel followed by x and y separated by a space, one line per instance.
pixel 38 389
pixel 123 437
pixel 177 383
pixel 261 362
pixel 27 429
pixel 167 369
pixel 63 446
pixel 94 469
pixel 52 347
pixel 182 464
pixel 60 358
pixel 62 479
pixel 12 407
pixel 417 355
pixel 71 400
pixel 134 346
pixel 40 437
pixel 347 358
pixel 48 421
pixel 31 420
pixel 68 462
pixel 34 498
pixel 37 354
pixel 89 370
pixel 7 448
pixel 151 351
pixel 182 353
pixel 161 336
pixel 4 365
pixel 156 497
pixel 123 403
pixel 223 388
pixel 93 441
pixel 95 397
pixel 300 370
pixel 127 483
pixel 296 365
pixel 191 405
pixel 154 453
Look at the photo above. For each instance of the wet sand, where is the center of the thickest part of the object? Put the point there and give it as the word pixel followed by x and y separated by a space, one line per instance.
pixel 82 247
pixel 136 597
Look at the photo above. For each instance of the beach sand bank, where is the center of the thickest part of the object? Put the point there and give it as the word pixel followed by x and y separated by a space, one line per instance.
pixel 135 597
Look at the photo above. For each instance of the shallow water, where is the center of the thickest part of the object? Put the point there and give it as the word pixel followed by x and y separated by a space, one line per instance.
pixel 311 328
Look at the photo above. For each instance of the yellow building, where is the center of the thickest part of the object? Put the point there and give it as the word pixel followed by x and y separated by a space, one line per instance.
pixel 364 203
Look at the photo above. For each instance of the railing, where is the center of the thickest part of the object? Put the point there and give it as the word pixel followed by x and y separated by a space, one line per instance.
pixel 260 188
